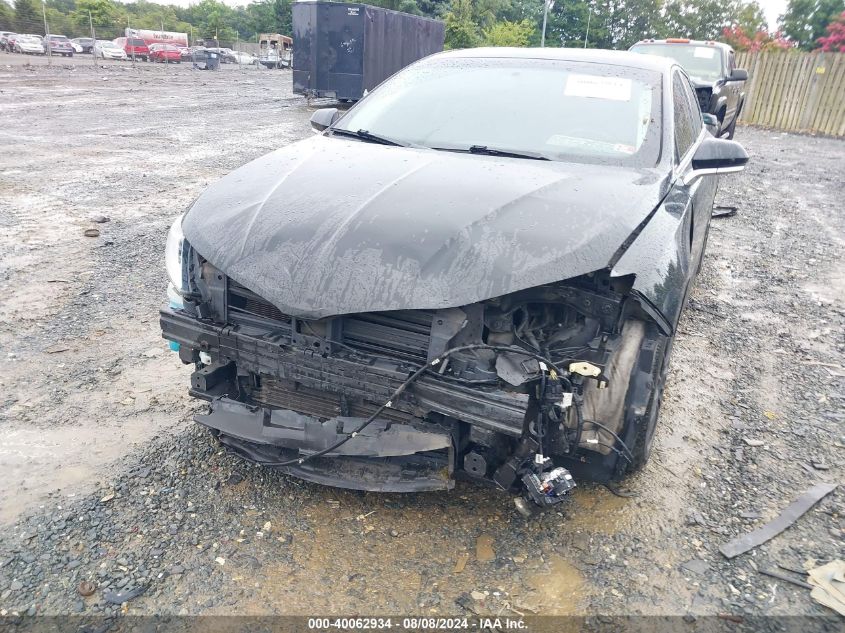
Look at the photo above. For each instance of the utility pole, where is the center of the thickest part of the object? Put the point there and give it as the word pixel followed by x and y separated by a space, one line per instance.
pixel 93 38
pixel 587 34
pixel 132 46
pixel 547 6
pixel 166 59
pixel 46 31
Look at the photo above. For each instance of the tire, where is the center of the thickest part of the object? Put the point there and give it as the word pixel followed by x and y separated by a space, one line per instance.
pixel 732 127
pixel 630 404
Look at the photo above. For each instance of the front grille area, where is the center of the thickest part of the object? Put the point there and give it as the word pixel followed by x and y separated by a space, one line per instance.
pixel 401 335
pixel 243 302
pixel 279 394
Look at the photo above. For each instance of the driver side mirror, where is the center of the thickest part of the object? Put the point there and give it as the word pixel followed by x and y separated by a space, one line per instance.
pixel 738 74
pixel 716 156
pixel 323 118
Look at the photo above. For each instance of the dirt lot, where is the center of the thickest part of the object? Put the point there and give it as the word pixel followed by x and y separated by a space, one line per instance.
pixel 105 478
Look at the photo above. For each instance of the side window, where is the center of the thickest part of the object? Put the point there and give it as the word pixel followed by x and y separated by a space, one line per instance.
pixel 695 107
pixel 685 131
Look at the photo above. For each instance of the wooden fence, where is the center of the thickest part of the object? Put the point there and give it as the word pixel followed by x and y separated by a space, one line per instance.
pixel 795 92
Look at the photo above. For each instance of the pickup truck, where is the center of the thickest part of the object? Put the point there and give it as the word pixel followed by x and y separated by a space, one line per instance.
pixel 711 66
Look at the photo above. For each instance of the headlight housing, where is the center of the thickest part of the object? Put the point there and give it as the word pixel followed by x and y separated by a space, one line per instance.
pixel 175 252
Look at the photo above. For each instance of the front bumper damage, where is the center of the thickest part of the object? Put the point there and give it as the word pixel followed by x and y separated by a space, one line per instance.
pixel 385 457
pixel 401 452
pixel 309 397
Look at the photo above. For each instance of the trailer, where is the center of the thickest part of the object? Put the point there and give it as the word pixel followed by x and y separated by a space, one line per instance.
pixel 341 50
pixel 158 37
pixel 274 50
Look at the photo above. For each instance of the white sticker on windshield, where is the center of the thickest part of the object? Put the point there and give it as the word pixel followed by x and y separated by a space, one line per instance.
pixel 704 52
pixel 595 87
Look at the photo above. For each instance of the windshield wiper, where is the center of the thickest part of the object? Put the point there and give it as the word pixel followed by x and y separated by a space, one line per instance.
pixel 490 151
pixel 364 135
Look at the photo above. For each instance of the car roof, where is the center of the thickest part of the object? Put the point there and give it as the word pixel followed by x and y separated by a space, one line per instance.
pixel 595 56
pixel 684 41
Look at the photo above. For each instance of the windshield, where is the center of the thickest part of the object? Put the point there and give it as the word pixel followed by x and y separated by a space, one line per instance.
pixel 560 110
pixel 108 45
pixel 700 62
pixel 136 42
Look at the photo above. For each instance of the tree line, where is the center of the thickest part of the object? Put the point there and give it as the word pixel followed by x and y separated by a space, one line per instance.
pixel 595 23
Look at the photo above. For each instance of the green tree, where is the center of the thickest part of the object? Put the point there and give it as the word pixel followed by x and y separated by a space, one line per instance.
pixel 750 18
pixel 706 19
pixel 507 33
pixel 461 29
pixel 103 13
pixel 7 16
pixel 27 17
pixel 806 20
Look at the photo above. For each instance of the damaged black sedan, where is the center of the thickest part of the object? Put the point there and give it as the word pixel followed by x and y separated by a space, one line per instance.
pixel 475 272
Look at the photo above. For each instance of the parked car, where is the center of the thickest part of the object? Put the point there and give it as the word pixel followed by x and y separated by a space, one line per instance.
pixel 227 55
pixel 29 44
pixel 106 49
pixel 245 59
pixel 4 41
pixel 718 83
pixel 165 53
pixel 421 292
pixel 82 44
pixel 58 45
pixel 10 42
pixel 184 53
pixel 135 47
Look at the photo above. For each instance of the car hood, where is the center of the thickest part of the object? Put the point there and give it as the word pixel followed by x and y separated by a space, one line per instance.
pixel 332 226
pixel 701 83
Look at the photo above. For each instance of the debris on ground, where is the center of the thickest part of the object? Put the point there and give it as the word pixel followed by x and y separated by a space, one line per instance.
pixel 122 596
pixel 776 574
pixel 786 518
pixel 829 585
pixel 86 588
pixel 484 548
pixel 461 563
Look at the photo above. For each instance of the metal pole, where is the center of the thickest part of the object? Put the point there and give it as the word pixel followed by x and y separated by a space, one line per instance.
pixel 545 19
pixel 166 60
pixel 128 29
pixel 46 31
pixel 587 34
pixel 238 49
pixel 93 38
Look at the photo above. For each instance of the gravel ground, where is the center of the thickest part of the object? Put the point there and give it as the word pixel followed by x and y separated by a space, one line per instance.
pixel 108 487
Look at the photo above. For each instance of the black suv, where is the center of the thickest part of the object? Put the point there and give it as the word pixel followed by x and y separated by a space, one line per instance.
pixel 719 84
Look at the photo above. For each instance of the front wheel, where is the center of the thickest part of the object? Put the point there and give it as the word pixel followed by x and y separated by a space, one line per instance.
pixel 629 405
pixel 732 127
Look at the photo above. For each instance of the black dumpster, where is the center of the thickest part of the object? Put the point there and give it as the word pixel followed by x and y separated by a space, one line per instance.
pixel 204 59
pixel 341 49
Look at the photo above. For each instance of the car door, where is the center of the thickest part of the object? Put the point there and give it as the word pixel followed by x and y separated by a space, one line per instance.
pixel 731 89
pixel 689 131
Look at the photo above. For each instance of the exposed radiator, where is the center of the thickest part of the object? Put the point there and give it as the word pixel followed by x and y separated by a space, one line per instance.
pixel 401 334
pixel 279 394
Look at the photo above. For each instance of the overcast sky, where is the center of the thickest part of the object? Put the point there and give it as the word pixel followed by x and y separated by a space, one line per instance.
pixel 773 8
